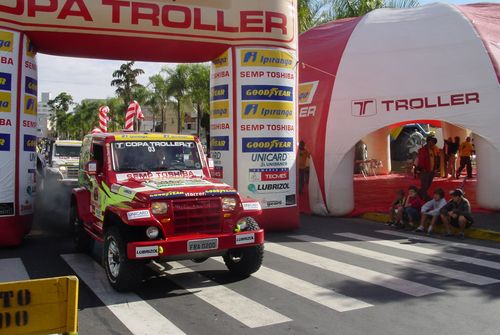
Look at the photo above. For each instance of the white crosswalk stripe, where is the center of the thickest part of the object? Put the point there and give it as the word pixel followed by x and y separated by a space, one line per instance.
pixel 356 272
pixel 12 269
pixel 136 314
pixel 460 245
pixel 424 251
pixel 405 262
pixel 318 294
pixel 228 301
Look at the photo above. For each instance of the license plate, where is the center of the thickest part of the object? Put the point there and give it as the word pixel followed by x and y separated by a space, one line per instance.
pixel 203 245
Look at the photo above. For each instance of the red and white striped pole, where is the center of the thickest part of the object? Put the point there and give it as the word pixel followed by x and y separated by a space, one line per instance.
pixel 96 130
pixel 103 118
pixel 133 111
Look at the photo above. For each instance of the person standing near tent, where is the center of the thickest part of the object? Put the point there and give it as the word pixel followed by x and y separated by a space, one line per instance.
pixel 451 154
pixel 466 150
pixel 304 156
pixel 426 166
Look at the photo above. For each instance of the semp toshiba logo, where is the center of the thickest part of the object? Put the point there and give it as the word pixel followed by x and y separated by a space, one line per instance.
pixel 361 108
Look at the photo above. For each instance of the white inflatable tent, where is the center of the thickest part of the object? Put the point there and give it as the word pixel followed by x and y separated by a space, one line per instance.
pixel 439 63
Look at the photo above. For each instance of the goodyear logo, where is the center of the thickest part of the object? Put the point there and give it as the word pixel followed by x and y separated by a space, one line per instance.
pixel 219 109
pixel 267 58
pixel 221 61
pixel 4 142
pixel 5 81
pixel 29 143
pixel 219 92
pixel 220 143
pixel 6 41
pixel 31 86
pixel 30 49
pixel 267 144
pixel 267 92
pixel 30 105
pixel 306 92
pixel 5 100
pixel 267 110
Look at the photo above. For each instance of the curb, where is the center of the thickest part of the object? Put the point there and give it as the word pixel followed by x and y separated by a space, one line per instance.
pixel 479 234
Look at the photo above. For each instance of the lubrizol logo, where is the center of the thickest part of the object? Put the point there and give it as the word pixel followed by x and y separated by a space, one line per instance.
pixel 267 110
pixel 6 41
pixel 307 91
pixel 221 61
pixel 219 109
pixel 267 58
pixel 365 107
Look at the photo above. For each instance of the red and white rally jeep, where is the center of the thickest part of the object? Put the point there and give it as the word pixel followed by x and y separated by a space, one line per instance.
pixel 149 196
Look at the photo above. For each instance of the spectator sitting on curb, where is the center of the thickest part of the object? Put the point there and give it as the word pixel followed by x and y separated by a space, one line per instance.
pixel 396 207
pixel 412 207
pixel 431 209
pixel 457 213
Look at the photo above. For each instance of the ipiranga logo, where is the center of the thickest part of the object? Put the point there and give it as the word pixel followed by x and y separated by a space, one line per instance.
pixel 267 144
pixel 267 58
pixel 267 92
pixel 6 41
pixel 219 109
pixel 267 110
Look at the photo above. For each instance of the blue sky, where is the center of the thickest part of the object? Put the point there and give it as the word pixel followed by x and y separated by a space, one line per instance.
pixel 90 78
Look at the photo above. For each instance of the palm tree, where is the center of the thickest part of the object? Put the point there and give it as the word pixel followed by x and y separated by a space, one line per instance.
pixel 198 83
pixel 312 13
pixel 59 106
pixel 177 88
pixel 126 81
pixel 351 8
pixel 158 98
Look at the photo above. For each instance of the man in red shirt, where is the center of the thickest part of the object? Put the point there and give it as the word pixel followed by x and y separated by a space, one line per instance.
pixel 426 166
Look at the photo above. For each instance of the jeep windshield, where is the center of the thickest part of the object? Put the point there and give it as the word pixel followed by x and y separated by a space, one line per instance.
pixel 134 156
pixel 66 151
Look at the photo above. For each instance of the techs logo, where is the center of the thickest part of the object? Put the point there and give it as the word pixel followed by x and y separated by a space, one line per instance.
pixel 219 92
pixel 29 143
pixel 361 108
pixel 4 142
pixel 257 175
pixel 5 81
pixel 267 144
pixel 267 110
pixel 307 92
pixel 219 109
pixel 267 58
pixel 31 86
pixel 267 92
pixel 220 143
pixel 6 41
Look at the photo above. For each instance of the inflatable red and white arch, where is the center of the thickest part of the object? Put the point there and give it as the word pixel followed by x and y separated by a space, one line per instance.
pixel 436 62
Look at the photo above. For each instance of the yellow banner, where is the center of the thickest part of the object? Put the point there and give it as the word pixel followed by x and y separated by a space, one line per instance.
pixel 36 307
pixel 219 109
pixel 267 110
pixel 153 137
pixel 267 58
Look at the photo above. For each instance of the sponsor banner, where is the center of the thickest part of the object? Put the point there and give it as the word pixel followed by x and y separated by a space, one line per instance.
pixel 27 135
pixel 266 124
pixel 143 252
pixel 245 238
pixel 219 110
pixel 267 58
pixel 222 118
pixel 267 92
pixel 267 110
pixel 267 144
pixel 251 206
pixel 136 215
pixel 219 143
pixel 30 49
pixel 307 92
pixel 9 51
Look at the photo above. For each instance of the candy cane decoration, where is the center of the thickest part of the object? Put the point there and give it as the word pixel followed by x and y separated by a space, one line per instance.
pixel 134 110
pixel 103 118
pixel 96 130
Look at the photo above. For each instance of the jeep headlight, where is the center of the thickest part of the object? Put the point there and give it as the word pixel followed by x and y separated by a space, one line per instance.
pixel 228 204
pixel 159 208
pixel 152 232
pixel 63 168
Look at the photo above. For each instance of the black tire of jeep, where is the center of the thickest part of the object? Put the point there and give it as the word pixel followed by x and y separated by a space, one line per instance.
pixel 244 261
pixel 83 241
pixel 128 275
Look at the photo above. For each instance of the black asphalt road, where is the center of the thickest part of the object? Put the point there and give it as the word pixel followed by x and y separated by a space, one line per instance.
pixel 295 292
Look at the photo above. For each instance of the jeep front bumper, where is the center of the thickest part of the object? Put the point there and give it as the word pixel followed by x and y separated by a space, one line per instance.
pixel 193 245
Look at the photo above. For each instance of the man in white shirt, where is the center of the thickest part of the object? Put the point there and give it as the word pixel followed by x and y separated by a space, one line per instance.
pixel 431 209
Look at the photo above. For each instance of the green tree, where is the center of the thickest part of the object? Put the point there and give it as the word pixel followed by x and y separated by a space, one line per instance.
pixel 59 106
pixel 177 88
pixel 312 13
pixel 158 99
pixel 340 9
pixel 116 113
pixel 198 86
pixel 125 80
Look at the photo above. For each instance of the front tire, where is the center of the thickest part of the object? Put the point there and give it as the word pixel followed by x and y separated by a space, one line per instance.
pixel 123 274
pixel 245 261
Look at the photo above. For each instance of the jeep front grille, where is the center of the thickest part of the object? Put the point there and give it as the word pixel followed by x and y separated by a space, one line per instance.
pixel 72 172
pixel 200 215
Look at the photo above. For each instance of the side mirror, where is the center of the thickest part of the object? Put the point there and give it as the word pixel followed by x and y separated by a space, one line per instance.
pixel 211 166
pixel 91 168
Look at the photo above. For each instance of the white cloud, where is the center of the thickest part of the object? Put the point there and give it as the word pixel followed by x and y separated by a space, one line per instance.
pixel 82 77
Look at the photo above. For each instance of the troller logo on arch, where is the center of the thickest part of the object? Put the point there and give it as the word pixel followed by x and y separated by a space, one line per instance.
pixel 366 107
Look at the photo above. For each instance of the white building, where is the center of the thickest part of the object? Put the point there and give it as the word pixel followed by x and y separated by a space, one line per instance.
pixel 44 114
